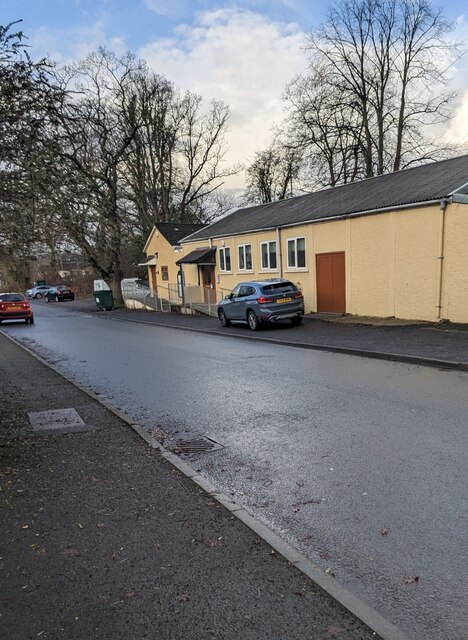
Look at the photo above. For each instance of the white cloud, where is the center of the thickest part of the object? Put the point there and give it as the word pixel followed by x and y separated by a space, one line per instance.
pixel 239 57
pixel 64 46
pixel 457 130
pixel 169 8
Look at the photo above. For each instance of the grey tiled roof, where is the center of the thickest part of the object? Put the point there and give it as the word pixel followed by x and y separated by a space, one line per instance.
pixel 430 182
pixel 174 232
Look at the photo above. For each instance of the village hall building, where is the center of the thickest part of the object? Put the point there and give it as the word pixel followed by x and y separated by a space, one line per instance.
pixel 390 246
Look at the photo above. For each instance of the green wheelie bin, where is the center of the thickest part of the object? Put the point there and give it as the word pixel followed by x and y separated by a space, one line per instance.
pixel 104 300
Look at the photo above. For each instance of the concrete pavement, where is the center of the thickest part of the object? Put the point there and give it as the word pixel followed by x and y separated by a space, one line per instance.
pixel 102 538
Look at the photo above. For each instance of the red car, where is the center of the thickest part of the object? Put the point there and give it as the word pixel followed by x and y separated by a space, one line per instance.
pixel 14 306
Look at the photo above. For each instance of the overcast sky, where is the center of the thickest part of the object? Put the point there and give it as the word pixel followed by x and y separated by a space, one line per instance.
pixel 243 52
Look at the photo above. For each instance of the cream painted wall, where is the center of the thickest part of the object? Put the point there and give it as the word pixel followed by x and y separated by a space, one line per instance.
pixel 455 268
pixel 391 262
pixel 166 257
pixel 416 264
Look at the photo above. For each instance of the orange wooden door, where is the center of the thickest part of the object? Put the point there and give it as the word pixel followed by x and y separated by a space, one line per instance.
pixel 208 280
pixel 331 296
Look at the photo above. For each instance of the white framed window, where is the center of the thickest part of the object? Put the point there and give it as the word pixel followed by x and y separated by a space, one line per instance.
pixel 245 257
pixel 225 259
pixel 296 253
pixel 269 259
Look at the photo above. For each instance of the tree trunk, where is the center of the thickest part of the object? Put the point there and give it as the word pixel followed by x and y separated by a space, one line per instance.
pixel 116 287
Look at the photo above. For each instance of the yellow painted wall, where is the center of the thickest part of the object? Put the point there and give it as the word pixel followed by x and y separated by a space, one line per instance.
pixel 416 264
pixel 166 257
pixel 391 262
pixel 455 268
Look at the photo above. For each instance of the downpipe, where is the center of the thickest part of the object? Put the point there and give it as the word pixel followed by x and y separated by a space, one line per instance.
pixel 440 257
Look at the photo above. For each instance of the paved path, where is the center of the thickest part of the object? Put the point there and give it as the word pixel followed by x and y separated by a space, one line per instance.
pixel 102 540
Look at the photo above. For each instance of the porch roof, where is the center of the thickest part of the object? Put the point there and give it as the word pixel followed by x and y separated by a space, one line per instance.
pixel 205 255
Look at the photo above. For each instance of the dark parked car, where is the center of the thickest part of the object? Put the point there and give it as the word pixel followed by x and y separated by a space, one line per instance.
pixel 15 306
pixel 262 301
pixel 59 293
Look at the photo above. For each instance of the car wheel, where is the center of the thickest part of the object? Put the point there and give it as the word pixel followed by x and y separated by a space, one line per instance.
pixel 223 321
pixel 38 295
pixel 30 320
pixel 253 321
pixel 56 298
pixel 296 321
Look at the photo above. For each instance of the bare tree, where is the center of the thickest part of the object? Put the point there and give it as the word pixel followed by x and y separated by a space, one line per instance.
pixel 176 166
pixel 376 85
pixel 91 148
pixel 27 94
pixel 271 174
pixel 326 130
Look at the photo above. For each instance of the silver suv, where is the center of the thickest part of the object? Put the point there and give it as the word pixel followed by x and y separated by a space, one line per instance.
pixel 262 301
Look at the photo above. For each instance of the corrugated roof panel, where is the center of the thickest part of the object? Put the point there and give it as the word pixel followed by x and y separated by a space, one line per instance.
pixel 430 182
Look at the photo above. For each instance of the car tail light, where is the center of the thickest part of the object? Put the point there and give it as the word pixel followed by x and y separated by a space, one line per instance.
pixel 298 294
pixel 263 300
pixel 25 305
pixel 2 307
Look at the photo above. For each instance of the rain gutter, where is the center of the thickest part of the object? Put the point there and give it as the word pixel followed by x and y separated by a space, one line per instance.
pixel 279 251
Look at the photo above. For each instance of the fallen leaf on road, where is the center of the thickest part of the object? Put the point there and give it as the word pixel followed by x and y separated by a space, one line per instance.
pixel 384 531
pixel 411 579
pixel 211 542
pixel 329 572
pixel 325 555
pixel 184 597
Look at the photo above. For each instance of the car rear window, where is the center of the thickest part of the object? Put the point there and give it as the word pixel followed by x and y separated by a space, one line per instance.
pixel 11 297
pixel 278 287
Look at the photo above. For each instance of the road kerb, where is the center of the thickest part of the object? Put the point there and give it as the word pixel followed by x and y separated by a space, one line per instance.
pixel 369 616
pixel 403 358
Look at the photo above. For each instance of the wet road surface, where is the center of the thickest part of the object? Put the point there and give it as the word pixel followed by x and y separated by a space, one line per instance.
pixel 361 464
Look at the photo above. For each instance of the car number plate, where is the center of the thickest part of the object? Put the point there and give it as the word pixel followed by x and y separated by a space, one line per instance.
pixel 15 308
pixel 281 300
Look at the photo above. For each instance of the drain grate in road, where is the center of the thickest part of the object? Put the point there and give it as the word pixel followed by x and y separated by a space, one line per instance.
pixel 199 445
pixel 57 421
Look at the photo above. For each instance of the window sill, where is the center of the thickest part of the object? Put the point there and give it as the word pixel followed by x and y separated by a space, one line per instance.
pixel 241 273
pixel 296 270
pixel 225 273
pixel 269 270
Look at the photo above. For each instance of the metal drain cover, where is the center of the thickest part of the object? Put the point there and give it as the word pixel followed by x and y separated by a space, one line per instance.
pixel 57 420
pixel 200 445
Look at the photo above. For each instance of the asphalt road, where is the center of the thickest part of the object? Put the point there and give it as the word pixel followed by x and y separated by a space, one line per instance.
pixel 362 464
